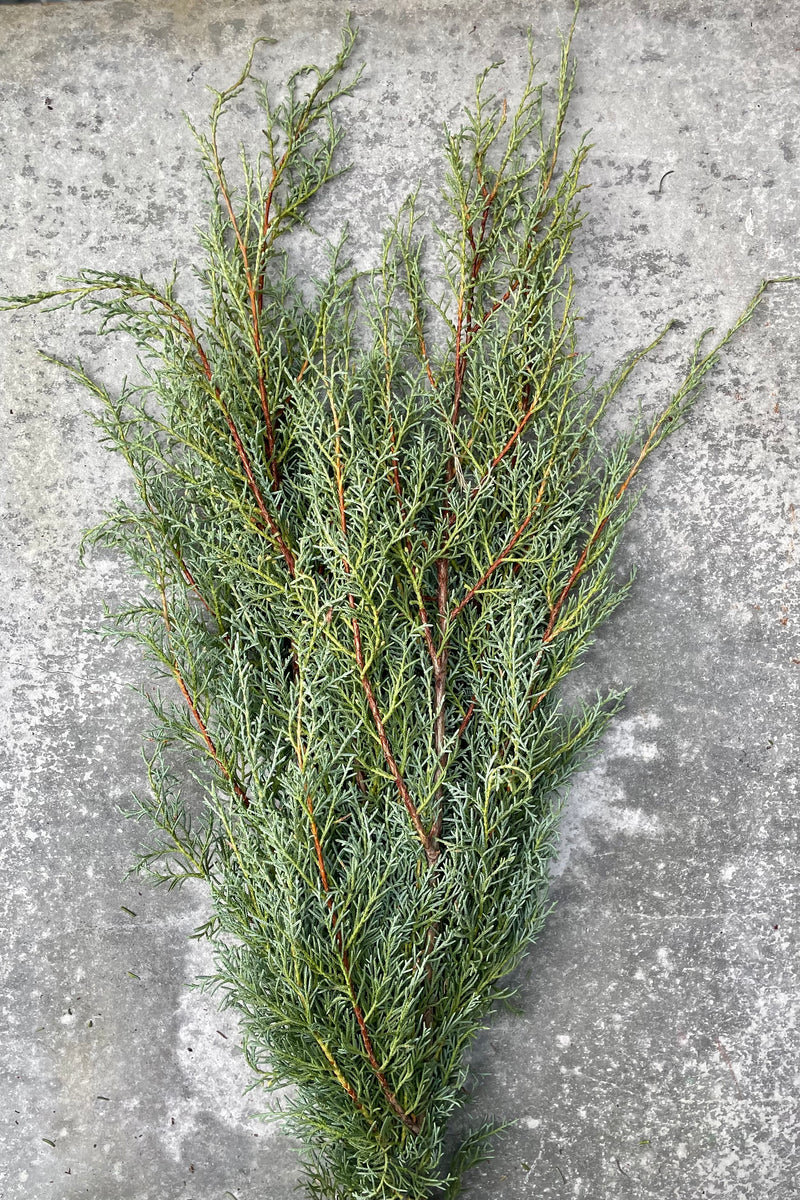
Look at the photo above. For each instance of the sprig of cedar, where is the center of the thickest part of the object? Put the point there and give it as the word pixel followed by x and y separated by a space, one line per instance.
pixel 376 529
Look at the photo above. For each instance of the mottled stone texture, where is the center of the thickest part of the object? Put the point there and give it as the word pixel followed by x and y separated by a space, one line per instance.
pixel 655 1054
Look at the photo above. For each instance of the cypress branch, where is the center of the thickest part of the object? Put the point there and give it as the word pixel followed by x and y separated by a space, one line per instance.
pixel 376 527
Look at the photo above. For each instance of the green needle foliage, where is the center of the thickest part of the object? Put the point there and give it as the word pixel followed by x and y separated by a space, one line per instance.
pixel 377 522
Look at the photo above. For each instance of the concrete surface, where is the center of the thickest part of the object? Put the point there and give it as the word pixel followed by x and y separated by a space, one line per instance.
pixel 656 1055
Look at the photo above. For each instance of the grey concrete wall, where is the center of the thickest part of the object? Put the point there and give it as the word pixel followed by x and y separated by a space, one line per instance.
pixel 656 1052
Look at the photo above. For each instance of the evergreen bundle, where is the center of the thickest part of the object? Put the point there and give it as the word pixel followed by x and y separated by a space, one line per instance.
pixel 377 524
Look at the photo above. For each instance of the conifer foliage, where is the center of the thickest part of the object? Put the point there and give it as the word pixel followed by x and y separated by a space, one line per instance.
pixel 376 520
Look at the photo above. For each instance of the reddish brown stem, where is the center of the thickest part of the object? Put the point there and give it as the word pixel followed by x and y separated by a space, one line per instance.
pixel 408 1119
pixel 531 406
pixel 568 586
pixel 466 721
pixel 518 431
pixel 512 287
pixel 244 458
pixel 262 508
pixel 424 350
pixel 237 787
pixel 459 364
pixel 463 326
pixel 577 570
pixel 265 222
pixel 372 703
pixel 277 171
pixel 507 294
pixel 398 490
pixel 427 844
pixel 323 875
pixel 192 582
pixel 412 1123
pixel 463 321
pixel 201 725
pixel 255 315
pixel 459 608
pixel 348 1087
pixel 439 694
